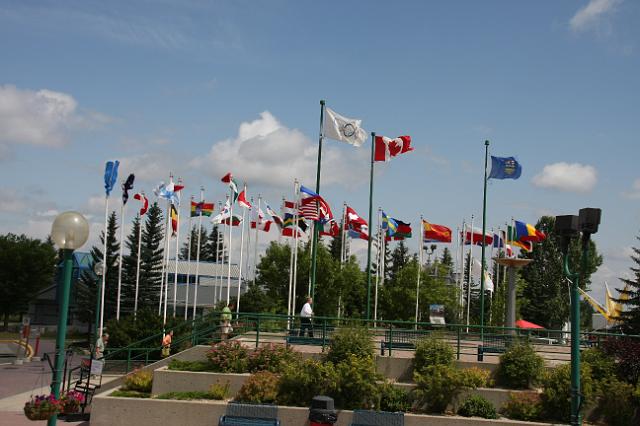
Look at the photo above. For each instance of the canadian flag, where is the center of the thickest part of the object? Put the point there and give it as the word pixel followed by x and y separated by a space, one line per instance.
pixel 261 224
pixel 387 147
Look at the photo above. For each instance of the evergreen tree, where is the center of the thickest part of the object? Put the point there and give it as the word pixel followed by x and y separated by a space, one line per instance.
pixel 399 258
pixel 87 286
pixel 335 248
pixel 545 298
pixel 630 296
pixel 129 268
pixel 446 258
pixel 152 255
pixel 209 249
pixel 193 242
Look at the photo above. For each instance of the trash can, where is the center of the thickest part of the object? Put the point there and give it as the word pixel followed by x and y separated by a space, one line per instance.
pixel 322 411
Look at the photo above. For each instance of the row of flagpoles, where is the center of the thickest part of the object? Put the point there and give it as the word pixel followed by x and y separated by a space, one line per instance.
pixel 309 206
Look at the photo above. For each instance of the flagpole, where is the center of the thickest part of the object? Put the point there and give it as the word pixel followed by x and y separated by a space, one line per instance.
pixel 296 237
pixel 461 271
pixel 420 250
pixel 373 138
pixel 198 242
pixel 122 205
pixel 104 261
pixel 378 248
pixel 175 274
pixel 290 292
pixel 244 211
pixel 470 270
pixel 247 264
pixel 166 249
pixel 314 246
pixel 135 302
pixel 189 244
pixel 382 275
pixel 484 226
pixel 255 249
pixel 231 201
pixel 342 250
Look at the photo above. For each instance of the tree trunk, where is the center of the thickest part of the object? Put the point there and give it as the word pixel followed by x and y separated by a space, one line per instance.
pixel 6 322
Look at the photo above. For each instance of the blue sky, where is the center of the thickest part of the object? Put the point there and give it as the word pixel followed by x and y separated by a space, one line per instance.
pixel 202 88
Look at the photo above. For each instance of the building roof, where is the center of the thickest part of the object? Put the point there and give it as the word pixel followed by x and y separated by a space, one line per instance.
pixel 206 269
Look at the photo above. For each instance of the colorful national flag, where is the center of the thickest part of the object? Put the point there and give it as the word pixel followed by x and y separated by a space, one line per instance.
pixel 474 236
pixel 233 185
pixel 355 225
pixel 224 213
pixel 435 233
pixel 127 186
pixel 505 168
pixel 512 239
pixel 174 220
pixel 242 199
pixel 498 239
pixel 341 128
pixel 145 203
pixel 527 232
pixel 403 230
pixel 275 216
pixel 110 175
pixel 389 224
pixel 201 208
pixel 477 271
pixel 261 223
pixel 313 206
pixel 387 147
pixel 330 228
pixel 292 232
pixel 235 220
pixel 289 215
pixel 169 191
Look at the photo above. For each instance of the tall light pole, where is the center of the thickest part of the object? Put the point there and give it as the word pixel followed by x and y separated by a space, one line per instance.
pixel 568 227
pixel 70 230
pixel 98 269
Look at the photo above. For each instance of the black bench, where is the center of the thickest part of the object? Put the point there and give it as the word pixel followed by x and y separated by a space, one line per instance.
pixel 320 337
pixel 247 421
pixel 494 344
pixel 401 339
pixel 239 414
pixel 377 418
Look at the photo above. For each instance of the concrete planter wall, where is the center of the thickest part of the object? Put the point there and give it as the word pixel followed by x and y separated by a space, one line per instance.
pixel 114 411
pixel 165 380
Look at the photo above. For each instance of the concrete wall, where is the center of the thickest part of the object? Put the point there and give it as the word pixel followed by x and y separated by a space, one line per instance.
pixel 112 411
pixel 401 369
pixel 184 381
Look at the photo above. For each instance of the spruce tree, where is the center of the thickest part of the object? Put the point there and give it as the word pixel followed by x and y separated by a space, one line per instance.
pixel 193 242
pixel 446 258
pixel 209 249
pixel 399 258
pixel 630 296
pixel 152 254
pixel 336 245
pixel 129 268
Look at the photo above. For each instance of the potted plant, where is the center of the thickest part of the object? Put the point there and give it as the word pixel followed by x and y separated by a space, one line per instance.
pixel 41 407
pixel 70 402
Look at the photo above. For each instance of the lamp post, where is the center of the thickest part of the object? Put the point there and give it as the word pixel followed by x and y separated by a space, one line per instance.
pixel 567 227
pixel 98 269
pixel 70 230
pixel 432 248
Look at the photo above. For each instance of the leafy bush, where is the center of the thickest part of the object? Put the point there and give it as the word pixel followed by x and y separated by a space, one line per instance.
pixel 617 404
pixel 139 380
pixel 179 365
pixel 273 358
pixel 350 341
pixel 475 377
pixel 626 353
pixel 186 396
pixel 436 386
pixel 229 357
pixel 430 352
pixel 523 406
pixel 603 366
pixel 123 393
pixel 520 367
pixel 300 383
pixel 556 395
pixel 393 399
pixel 357 386
pixel 477 406
pixel 219 391
pixel 259 388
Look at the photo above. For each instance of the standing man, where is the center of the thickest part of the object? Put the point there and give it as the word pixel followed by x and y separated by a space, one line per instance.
pixel 101 343
pixel 225 319
pixel 305 318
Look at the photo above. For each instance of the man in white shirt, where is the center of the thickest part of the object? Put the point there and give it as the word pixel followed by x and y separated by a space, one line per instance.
pixel 305 318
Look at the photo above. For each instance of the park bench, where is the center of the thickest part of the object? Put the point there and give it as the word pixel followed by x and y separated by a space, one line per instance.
pixel 377 418
pixel 494 344
pixel 238 414
pixel 321 337
pixel 401 339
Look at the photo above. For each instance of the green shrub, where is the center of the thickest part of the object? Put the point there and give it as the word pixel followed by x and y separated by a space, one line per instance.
pixel 273 358
pixel 219 391
pixel 477 406
pixel 300 383
pixel 430 352
pixel 123 393
pixel 179 365
pixel 129 329
pixel 617 402
pixel 520 367
pixel 523 406
pixel 393 399
pixel 229 357
pixel 475 377
pixel 436 387
pixel 556 393
pixel 603 366
pixel 259 388
pixel 186 396
pixel 139 380
pixel 357 386
pixel 350 341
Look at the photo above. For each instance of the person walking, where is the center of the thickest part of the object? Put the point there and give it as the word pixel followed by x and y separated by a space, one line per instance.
pixel 166 344
pixel 305 318
pixel 101 343
pixel 225 319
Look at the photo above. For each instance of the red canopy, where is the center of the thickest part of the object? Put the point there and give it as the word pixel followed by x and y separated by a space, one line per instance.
pixel 526 324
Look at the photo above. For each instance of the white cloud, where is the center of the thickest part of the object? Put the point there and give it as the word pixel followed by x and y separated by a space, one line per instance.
pixel 48 213
pixel 11 201
pixel 268 153
pixel 634 194
pixel 42 117
pixel 153 166
pixel 592 15
pixel 570 177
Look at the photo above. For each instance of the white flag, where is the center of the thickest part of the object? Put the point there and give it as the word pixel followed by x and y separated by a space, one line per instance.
pixel 488 282
pixel 340 128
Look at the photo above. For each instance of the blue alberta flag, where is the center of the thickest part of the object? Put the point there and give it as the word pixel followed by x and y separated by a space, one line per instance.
pixel 505 168
pixel 110 175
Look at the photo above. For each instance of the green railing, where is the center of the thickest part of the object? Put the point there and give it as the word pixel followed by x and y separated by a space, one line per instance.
pixel 389 336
